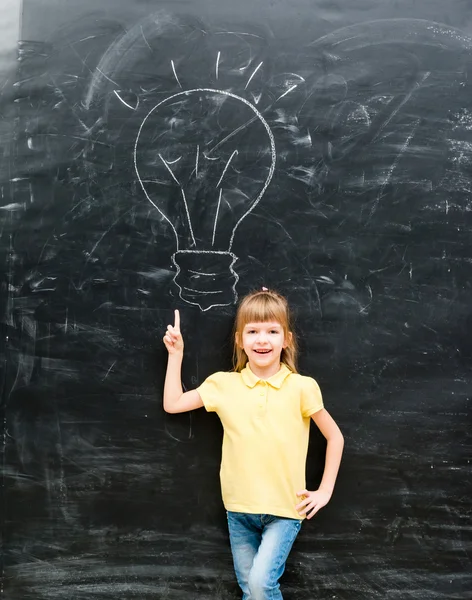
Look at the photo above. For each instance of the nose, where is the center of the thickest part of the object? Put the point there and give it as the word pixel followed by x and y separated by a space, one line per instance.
pixel 262 337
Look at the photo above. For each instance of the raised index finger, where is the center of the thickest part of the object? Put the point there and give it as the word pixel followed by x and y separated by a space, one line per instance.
pixel 177 320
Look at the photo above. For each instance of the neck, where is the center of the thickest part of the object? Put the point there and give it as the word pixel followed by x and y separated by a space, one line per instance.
pixel 263 372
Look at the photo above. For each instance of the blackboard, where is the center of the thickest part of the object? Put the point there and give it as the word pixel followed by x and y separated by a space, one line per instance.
pixel 178 155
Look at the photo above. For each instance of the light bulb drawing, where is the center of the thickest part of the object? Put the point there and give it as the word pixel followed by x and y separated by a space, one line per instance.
pixel 200 162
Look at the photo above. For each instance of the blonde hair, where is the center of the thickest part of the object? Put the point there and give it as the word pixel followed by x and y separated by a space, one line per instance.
pixel 260 307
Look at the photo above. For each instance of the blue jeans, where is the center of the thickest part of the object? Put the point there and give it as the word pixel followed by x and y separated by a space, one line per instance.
pixel 260 545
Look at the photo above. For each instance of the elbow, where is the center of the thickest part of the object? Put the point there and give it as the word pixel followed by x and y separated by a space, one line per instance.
pixel 172 406
pixel 167 407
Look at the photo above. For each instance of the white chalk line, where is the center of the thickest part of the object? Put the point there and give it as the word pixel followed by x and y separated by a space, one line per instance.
pixel 254 72
pixel 203 292
pixel 169 169
pixel 216 218
pixel 287 92
pixel 106 77
pixel 125 103
pixel 188 216
pixel 175 74
pixel 235 153
pixel 201 273
pixel 172 162
pixel 217 64
pixel 233 273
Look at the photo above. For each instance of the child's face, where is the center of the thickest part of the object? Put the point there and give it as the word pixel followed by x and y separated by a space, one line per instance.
pixel 263 343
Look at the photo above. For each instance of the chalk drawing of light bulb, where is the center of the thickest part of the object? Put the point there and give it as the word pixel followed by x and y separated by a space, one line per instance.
pixel 204 159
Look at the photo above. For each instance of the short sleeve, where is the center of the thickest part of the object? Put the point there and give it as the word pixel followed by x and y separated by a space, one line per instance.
pixel 210 392
pixel 312 400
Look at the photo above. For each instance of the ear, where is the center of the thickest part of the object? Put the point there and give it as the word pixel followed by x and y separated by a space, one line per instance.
pixel 288 340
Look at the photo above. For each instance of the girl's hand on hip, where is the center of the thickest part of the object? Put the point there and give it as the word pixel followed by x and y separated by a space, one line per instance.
pixel 173 339
pixel 312 502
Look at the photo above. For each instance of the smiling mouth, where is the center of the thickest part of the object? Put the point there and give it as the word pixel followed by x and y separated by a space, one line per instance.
pixel 262 351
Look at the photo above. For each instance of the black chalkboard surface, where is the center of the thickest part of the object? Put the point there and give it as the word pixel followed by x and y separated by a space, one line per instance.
pixel 177 155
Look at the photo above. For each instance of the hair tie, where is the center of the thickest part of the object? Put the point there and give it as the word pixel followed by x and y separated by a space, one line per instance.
pixel 264 289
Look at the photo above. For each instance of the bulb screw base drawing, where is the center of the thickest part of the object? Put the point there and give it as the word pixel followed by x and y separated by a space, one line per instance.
pixel 206 278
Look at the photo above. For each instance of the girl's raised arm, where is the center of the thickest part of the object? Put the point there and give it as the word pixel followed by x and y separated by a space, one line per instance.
pixel 175 400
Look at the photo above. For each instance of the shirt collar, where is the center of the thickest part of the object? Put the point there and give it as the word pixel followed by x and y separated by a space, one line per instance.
pixel 250 379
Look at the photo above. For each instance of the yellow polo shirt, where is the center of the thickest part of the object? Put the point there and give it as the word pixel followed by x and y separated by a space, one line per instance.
pixel 266 427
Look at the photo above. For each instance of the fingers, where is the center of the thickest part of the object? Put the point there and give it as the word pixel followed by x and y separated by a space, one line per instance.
pixel 303 505
pixel 316 508
pixel 305 499
pixel 310 504
pixel 172 335
pixel 168 340
pixel 309 509
pixel 173 338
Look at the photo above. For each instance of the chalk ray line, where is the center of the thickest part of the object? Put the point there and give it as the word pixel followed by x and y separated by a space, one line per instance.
pixel 175 74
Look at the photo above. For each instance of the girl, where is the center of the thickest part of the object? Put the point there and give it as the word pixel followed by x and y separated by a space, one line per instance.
pixel 266 408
